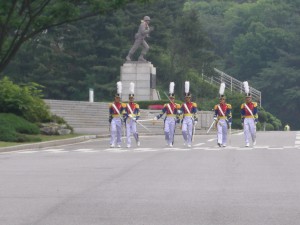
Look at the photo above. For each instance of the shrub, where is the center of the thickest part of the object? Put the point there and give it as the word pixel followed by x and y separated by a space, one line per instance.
pixel 18 124
pixel 8 134
pixel 269 127
pixel 14 129
pixel 25 101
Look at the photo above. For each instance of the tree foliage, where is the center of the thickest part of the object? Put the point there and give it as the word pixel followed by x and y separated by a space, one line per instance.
pixel 256 41
pixel 22 20
pixel 23 100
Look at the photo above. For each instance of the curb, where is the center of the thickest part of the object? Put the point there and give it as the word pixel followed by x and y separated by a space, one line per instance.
pixel 73 141
pixel 49 143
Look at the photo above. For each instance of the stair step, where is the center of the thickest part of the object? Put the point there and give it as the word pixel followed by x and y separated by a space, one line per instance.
pixel 88 118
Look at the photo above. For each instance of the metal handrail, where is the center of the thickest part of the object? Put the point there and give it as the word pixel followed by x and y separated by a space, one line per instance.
pixel 232 84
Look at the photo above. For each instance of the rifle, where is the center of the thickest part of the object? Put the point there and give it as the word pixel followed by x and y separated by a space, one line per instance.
pixel 138 122
pixel 211 126
pixel 194 130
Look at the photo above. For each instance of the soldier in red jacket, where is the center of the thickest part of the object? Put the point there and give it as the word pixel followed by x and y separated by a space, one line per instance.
pixel 249 117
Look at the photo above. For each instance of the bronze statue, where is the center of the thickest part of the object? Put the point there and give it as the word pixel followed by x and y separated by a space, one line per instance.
pixel 140 37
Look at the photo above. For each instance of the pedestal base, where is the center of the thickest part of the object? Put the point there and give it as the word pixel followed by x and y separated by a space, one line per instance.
pixel 143 75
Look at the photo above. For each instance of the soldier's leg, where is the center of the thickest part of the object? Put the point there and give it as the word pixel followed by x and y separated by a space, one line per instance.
pixel 189 131
pixel 219 133
pixel 246 131
pixel 252 129
pixel 171 134
pixel 167 131
pixel 184 130
pixel 128 132
pixel 119 131
pixel 113 131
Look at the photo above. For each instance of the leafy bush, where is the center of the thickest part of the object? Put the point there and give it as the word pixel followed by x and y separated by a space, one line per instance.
pixel 9 135
pixel 18 124
pixel 14 129
pixel 25 101
pixel 269 127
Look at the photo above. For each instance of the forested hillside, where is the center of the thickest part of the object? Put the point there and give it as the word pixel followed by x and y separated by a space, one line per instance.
pixel 256 41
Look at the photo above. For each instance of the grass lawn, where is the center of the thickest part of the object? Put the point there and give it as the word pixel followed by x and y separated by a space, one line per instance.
pixel 43 137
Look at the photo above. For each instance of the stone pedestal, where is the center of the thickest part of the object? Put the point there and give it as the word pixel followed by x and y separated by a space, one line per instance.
pixel 143 75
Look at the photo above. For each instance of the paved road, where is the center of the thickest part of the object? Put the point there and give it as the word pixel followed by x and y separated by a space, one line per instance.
pixel 91 184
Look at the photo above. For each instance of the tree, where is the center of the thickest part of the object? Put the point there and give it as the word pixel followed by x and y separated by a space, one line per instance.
pixel 22 20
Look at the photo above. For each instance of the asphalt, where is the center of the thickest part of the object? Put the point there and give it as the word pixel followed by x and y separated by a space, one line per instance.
pixel 75 140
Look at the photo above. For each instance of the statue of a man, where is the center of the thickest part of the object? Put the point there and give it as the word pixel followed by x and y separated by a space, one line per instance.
pixel 140 36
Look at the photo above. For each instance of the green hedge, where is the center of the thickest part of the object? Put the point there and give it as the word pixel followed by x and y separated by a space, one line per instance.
pixel 23 100
pixel 14 129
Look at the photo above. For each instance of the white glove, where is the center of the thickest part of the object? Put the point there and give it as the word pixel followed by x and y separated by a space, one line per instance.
pixel 215 118
pixel 134 118
pixel 155 118
pixel 195 122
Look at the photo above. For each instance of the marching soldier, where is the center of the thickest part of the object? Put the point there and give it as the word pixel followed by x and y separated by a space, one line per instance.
pixel 190 119
pixel 116 110
pixel 132 114
pixel 171 110
pixel 222 117
pixel 249 117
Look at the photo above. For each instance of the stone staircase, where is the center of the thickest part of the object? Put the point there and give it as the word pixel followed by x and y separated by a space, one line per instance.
pixel 92 117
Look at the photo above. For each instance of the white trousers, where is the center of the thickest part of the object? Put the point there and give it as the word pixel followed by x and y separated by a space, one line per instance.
pixel 131 129
pixel 222 131
pixel 187 129
pixel 115 131
pixel 249 130
pixel 170 123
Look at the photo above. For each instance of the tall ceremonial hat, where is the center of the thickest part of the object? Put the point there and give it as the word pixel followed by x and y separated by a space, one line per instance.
pixel 187 89
pixel 119 89
pixel 222 90
pixel 131 90
pixel 247 89
pixel 171 90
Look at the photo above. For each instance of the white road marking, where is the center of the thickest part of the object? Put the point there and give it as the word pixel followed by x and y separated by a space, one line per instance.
pixel 85 150
pixel 145 150
pixel 137 150
pixel 26 152
pixel 58 150
pixel 244 149
pixel 181 149
pixel 198 144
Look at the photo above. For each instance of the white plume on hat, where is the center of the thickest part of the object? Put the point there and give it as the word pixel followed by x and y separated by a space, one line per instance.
pixel 119 87
pixel 187 87
pixel 171 87
pixel 246 87
pixel 222 89
pixel 131 88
